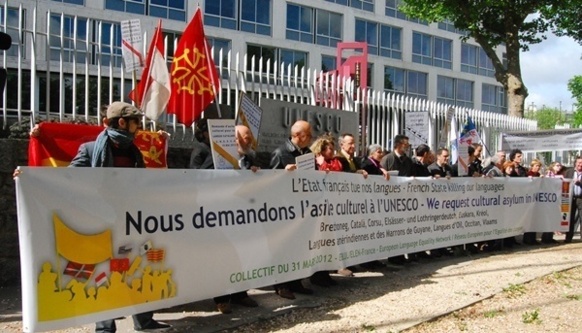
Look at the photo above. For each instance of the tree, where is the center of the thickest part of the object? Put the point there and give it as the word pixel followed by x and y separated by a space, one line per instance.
pixel 546 117
pixel 575 87
pixel 514 23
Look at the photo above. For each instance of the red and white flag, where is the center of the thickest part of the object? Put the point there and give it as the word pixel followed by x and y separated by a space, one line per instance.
pixel 101 279
pixel 153 90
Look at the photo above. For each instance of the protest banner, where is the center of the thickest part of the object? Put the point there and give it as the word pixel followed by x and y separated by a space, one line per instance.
pixel 223 143
pixel 99 243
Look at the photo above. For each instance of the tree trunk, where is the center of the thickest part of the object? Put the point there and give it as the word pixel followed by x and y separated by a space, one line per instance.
pixel 516 94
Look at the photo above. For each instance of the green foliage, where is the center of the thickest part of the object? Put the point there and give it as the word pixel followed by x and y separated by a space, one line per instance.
pixel 514 290
pixel 575 87
pixel 492 313
pixel 546 117
pixel 532 317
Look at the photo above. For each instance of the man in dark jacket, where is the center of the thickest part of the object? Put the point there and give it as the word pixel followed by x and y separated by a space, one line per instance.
pixel 114 147
pixel 284 158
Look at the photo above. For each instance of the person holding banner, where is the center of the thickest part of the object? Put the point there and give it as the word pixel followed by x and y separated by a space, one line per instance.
pixel 441 168
pixel 372 163
pixel 201 157
pixel 246 162
pixel 114 147
pixel 576 207
pixel 284 158
pixel 422 160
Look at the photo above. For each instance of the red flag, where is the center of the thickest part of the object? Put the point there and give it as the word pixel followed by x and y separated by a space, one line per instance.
pixel 101 279
pixel 58 143
pixel 119 264
pixel 79 270
pixel 194 76
pixel 153 90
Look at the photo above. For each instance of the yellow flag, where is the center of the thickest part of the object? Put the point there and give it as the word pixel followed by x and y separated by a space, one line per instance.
pixel 82 249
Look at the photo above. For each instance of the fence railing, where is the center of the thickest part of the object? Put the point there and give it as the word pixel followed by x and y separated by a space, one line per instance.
pixel 56 75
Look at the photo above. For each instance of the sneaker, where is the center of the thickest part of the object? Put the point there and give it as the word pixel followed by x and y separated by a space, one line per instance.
pixel 224 308
pixel 154 325
pixel 246 301
pixel 345 272
pixel 285 293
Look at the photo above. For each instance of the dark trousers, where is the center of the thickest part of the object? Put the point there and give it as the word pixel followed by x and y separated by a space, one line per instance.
pixel 575 209
pixel 140 321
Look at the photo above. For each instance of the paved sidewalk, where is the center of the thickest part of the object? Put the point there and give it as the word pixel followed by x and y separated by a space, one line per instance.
pixel 448 283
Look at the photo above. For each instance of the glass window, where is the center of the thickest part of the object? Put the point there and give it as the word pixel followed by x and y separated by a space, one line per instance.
pixel 455 91
pixel 485 64
pixel 405 82
pixel 391 10
pixel 293 58
pixel 255 16
pixel 11 23
pixel 172 38
pixel 299 23
pixel 493 99
pixel 110 44
pixel 66 50
pixel 449 26
pixel 128 6
pixel 170 9
pixel 217 46
pixel 221 13
pixel 367 32
pixel 367 5
pixel 430 50
pixel 74 2
pixel 469 58
pixel 328 63
pixel 328 28
pixel 390 42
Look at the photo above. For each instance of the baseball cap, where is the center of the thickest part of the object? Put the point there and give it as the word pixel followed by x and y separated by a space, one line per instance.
pixel 122 110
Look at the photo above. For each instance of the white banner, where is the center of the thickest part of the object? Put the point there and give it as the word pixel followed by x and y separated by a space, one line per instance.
pixel 416 128
pixel 99 243
pixel 547 140
pixel 131 44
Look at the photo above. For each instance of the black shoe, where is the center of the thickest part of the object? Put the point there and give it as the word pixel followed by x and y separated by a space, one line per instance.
pixel 153 325
pixel 302 290
pixel 550 241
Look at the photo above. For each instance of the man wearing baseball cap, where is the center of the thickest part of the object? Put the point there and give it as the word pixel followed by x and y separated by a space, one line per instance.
pixel 114 147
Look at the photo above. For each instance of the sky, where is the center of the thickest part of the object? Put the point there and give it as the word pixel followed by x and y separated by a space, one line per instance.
pixel 546 69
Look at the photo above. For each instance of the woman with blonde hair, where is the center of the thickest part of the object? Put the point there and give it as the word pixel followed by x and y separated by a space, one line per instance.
pixel 534 168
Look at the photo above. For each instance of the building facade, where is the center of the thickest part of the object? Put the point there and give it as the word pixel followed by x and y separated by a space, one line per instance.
pixel 406 56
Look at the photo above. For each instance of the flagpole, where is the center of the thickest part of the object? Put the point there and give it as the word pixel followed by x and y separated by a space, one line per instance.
pixel 209 63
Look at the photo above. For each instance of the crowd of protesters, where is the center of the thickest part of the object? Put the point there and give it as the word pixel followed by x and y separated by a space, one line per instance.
pixel 339 155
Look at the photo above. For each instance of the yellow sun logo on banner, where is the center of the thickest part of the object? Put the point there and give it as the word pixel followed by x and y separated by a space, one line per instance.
pixel 96 279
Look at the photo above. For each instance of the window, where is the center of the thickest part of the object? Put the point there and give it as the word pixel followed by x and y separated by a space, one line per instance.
pixel 299 23
pixel 217 46
pixel 263 54
pixel 169 9
pixel 455 91
pixel 367 5
pixel 74 2
pixel 430 50
pixel 110 44
pixel 384 42
pixel 252 16
pixel 328 63
pixel 73 47
pixel 328 30
pixel 493 99
pixel 128 6
pixel 172 38
pixel 11 23
pixel 450 26
pixel 405 82
pixel 474 60
pixel 391 10
pixel 316 26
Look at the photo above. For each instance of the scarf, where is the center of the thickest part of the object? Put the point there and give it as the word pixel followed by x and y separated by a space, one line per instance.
pixel 102 152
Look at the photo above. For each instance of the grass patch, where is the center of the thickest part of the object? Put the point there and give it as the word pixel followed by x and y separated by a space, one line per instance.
pixel 532 317
pixel 492 313
pixel 514 290
pixel 574 297
pixel 368 328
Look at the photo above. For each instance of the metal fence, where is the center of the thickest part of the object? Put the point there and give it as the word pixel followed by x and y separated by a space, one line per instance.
pixel 58 76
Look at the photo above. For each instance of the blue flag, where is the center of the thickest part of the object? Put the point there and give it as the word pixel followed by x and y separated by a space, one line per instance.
pixel 469 126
